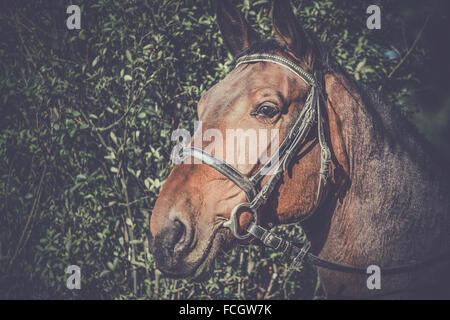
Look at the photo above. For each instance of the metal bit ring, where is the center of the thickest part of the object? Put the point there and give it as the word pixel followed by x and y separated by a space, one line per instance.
pixel 233 223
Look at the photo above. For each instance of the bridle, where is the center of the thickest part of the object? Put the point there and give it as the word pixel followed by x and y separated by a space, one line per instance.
pixel 289 147
pixel 285 153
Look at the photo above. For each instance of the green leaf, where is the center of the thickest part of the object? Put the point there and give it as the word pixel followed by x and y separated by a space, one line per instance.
pixel 113 137
pixel 110 156
pixel 360 65
pixel 94 63
pixel 128 54
pixel 147 183
pixel 104 272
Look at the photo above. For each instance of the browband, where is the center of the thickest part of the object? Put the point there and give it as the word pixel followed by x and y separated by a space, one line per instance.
pixel 265 57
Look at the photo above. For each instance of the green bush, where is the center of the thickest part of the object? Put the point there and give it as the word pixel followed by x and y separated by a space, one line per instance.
pixel 85 138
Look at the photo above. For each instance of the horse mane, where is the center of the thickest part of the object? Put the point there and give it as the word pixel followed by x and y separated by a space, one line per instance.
pixel 394 126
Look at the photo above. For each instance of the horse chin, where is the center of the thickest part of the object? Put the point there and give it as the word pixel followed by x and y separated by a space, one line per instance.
pixel 202 274
pixel 203 268
pixel 219 243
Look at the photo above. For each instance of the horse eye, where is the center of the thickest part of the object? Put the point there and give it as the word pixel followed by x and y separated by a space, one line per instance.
pixel 266 111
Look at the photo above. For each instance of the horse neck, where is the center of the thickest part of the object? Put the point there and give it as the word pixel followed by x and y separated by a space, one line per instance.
pixel 394 192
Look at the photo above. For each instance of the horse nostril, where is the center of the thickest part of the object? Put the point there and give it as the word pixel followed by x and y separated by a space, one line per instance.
pixel 178 237
pixel 169 245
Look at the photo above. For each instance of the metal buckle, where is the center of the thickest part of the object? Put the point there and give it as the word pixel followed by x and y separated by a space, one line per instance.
pixel 269 238
pixel 298 260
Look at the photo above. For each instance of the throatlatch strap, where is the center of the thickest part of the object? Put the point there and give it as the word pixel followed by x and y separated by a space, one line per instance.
pixel 297 255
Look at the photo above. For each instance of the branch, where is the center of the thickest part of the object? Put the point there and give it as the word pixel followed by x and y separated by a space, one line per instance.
pixel 403 59
pixel 133 202
pixel 25 236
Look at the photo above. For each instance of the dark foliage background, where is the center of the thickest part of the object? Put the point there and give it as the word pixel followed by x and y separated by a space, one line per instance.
pixel 86 118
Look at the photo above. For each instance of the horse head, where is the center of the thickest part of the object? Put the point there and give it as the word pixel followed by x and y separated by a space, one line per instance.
pixel 195 201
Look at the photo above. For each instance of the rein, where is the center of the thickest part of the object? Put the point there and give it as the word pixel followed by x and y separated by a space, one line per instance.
pixel 285 153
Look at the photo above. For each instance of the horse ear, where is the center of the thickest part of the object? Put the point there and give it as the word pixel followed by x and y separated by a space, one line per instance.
pixel 287 28
pixel 235 30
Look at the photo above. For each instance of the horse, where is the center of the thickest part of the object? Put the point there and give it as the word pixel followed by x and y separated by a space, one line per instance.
pixel 365 186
